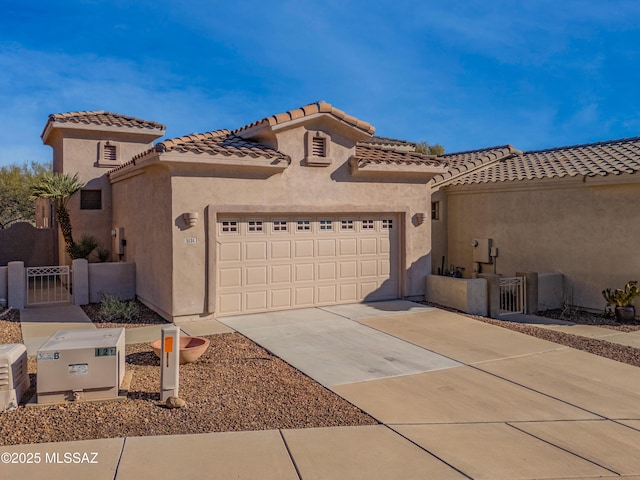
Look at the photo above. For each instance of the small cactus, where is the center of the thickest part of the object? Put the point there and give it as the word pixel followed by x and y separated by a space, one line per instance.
pixel 622 297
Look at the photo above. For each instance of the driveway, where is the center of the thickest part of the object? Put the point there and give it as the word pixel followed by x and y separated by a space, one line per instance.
pixel 485 401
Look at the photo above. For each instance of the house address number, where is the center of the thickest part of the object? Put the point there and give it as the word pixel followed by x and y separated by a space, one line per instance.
pixel 191 240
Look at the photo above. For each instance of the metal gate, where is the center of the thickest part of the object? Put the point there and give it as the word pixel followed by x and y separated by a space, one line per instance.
pixel 47 285
pixel 512 298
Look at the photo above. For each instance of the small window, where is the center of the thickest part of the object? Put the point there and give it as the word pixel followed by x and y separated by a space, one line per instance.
pixel 303 225
pixel 229 226
pixel 346 225
pixel 435 210
pixel 368 225
pixel 387 224
pixel 279 225
pixel 254 226
pixel 90 199
pixel 326 225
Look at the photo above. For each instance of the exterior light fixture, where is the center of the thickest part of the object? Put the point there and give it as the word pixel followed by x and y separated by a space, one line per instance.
pixel 190 218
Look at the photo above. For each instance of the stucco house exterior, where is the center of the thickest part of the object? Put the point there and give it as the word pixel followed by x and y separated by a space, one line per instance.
pixel 573 210
pixel 299 209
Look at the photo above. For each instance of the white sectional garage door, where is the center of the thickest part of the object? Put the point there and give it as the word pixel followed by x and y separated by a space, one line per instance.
pixel 283 262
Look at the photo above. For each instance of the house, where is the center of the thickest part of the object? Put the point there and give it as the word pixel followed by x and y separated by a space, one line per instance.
pixel 299 209
pixel 573 210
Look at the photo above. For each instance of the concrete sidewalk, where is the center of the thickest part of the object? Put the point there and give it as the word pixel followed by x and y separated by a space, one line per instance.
pixel 506 406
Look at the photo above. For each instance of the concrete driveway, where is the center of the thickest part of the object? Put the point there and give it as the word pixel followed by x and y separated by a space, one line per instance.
pixel 485 401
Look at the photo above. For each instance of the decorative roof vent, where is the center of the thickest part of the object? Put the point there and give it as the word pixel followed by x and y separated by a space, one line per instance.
pixel 108 154
pixel 317 149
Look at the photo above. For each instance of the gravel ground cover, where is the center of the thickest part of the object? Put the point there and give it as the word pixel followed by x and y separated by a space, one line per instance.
pixel 236 385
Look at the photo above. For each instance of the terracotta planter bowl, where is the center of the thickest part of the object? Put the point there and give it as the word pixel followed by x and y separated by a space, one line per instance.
pixel 191 348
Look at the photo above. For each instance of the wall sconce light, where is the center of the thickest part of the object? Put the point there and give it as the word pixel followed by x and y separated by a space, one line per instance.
pixel 420 218
pixel 190 218
pixel 113 232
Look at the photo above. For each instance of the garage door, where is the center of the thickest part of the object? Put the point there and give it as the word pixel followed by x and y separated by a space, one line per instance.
pixel 283 262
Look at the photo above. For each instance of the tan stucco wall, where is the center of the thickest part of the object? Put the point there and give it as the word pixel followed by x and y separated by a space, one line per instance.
pixel 76 151
pixel 299 188
pixel 142 206
pixel 586 229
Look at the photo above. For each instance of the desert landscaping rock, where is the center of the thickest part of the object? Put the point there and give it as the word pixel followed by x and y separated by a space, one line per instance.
pixel 176 402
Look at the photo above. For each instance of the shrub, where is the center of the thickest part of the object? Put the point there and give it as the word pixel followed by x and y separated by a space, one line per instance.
pixel 112 309
pixel 622 297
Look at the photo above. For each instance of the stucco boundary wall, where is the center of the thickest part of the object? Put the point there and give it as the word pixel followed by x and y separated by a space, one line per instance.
pixel 468 295
pixel 4 282
pixel 551 291
pixel 91 281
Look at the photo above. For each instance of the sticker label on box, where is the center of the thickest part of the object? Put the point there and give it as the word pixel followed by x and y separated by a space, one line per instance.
pixel 79 369
pixel 48 355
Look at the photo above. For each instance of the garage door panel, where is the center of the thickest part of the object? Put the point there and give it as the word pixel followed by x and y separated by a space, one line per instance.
pixel 348 246
pixel 288 261
pixel 230 277
pixel 304 272
pixel 255 250
pixel 327 271
pixel 327 247
pixel 304 248
pixel 280 274
pixel 280 249
pixel 326 294
pixel 230 252
pixel 256 301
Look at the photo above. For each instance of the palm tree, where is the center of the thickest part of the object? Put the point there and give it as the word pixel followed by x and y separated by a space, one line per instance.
pixel 59 187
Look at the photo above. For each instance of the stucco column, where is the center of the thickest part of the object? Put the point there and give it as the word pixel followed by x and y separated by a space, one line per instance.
pixel 493 293
pixel 80 268
pixel 16 285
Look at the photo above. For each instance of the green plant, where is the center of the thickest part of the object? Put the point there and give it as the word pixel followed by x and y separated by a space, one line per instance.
pixel 102 254
pixel 83 249
pixel 112 309
pixel 622 297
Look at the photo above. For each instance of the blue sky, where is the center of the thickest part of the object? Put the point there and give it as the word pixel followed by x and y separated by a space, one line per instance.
pixel 466 74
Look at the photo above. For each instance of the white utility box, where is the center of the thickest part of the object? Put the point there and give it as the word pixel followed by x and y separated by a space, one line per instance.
pixel 14 377
pixel 81 365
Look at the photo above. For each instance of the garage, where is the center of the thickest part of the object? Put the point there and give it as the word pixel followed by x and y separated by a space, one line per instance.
pixel 293 261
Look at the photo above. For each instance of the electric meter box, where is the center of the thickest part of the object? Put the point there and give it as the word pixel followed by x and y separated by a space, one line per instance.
pixel 81 365
pixel 14 377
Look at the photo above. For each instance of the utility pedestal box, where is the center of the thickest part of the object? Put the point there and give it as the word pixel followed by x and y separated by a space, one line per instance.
pixel 81 365
pixel 14 378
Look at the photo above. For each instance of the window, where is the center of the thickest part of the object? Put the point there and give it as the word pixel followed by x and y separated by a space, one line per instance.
pixel 90 199
pixel 279 225
pixel 387 224
pixel 367 225
pixel 229 226
pixel 326 225
pixel 303 225
pixel 435 210
pixel 254 226
pixel 346 225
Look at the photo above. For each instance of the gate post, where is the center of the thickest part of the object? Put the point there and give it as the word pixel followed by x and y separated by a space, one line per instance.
pixel 493 293
pixel 80 282
pixel 16 286
pixel 531 291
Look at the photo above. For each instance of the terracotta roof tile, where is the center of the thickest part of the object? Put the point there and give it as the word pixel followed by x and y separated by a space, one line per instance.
pixel 100 117
pixel 612 157
pixel 312 108
pixel 387 142
pixel 366 155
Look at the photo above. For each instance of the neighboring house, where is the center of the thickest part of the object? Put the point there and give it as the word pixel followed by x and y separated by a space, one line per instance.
pixel 299 209
pixel 573 210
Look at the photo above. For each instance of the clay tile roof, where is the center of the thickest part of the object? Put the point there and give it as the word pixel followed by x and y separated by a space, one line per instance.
pixel 100 117
pixel 612 157
pixel 312 108
pixel 219 142
pixel 368 155
pixel 387 142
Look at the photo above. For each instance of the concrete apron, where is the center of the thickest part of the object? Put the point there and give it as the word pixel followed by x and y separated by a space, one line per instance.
pixel 327 345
